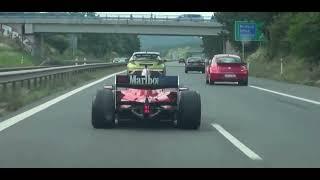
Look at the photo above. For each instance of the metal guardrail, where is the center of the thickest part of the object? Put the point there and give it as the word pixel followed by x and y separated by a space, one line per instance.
pixel 82 61
pixel 42 75
pixel 66 62
pixel 21 68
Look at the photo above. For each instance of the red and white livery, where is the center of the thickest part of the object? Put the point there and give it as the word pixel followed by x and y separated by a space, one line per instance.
pixel 146 98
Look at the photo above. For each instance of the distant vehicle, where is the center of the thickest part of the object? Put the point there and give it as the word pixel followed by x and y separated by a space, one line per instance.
pixel 146 98
pixel 152 60
pixel 227 68
pixel 115 60
pixel 181 60
pixel 190 17
pixel 120 60
pixel 195 64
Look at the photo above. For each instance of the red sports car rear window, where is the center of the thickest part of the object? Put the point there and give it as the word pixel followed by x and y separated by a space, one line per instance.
pixel 228 60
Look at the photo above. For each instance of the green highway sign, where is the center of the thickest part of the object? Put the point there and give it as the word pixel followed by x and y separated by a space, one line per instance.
pixel 248 31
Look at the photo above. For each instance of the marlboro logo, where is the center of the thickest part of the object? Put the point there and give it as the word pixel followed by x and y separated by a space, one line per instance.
pixel 134 80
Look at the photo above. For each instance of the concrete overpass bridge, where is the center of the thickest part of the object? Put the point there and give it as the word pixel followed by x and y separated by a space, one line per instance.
pixel 28 26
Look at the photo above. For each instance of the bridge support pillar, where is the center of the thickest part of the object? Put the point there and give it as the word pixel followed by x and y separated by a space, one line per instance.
pixel 29 40
pixel 224 45
pixel 74 43
pixel 37 46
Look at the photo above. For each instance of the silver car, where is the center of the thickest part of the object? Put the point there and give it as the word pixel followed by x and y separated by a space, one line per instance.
pixel 190 17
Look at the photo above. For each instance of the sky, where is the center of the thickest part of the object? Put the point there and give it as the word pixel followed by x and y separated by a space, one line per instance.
pixel 158 13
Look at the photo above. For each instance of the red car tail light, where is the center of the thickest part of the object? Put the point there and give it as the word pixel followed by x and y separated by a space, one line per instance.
pixel 244 68
pixel 214 68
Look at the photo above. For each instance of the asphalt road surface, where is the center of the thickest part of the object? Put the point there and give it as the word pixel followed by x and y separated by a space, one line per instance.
pixel 267 124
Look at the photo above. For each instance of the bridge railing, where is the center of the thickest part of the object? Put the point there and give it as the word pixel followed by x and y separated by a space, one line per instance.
pixel 128 17
pixel 156 17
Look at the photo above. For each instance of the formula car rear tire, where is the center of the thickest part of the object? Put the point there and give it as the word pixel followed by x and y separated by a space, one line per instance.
pixel 189 110
pixel 103 110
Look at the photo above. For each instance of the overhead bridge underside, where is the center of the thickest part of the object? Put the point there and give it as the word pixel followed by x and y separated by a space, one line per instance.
pixel 68 25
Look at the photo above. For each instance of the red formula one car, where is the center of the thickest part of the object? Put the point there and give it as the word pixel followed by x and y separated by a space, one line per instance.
pixel 227 68
pixel 146 98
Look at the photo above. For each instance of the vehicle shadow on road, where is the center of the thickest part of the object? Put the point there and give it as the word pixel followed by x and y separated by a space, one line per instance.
pixel 225 85
pixel 195 73
pixel 175 65
pixel 146 125
pixel 157 126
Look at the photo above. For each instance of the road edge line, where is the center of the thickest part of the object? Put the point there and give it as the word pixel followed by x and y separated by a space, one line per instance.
pixel 286 95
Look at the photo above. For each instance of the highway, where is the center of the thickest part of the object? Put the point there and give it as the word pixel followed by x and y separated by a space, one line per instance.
pixel 267 124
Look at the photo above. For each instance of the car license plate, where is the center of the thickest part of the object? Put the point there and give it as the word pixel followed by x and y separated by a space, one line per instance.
pixel 229 75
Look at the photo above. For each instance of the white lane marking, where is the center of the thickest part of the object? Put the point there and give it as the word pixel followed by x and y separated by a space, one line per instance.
pixel 287 95
pixel 252 155
pixel 13 120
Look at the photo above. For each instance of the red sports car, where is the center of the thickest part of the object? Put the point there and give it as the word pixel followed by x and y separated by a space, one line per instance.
pixel 227 68
pixel 146 98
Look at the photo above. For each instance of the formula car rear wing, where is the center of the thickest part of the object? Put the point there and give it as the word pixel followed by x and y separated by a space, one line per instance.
pixel 146 82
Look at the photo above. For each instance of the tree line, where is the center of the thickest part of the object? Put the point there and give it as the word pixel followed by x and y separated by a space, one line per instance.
pixel 287 33
pixel 100 46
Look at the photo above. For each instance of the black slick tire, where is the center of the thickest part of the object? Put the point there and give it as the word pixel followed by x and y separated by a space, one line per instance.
pixel 103 110
pixel 189 110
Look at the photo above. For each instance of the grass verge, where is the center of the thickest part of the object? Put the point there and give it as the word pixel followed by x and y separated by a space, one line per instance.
pixel 295 70
pixel 12 55
pixel 13 58
pixel 13 101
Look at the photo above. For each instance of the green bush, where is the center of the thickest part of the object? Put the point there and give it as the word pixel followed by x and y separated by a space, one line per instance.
pixel 212 45
pixel 304 36
pixel 279 44
pixel 57 41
